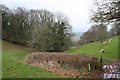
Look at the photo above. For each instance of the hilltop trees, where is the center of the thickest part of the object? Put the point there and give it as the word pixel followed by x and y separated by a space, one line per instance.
pixel 39 29
pixel 13 24
pixel 95 33
pixel 105 13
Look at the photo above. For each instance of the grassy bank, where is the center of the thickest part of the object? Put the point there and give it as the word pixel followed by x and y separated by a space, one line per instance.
pixel 12 68
pixel 111 49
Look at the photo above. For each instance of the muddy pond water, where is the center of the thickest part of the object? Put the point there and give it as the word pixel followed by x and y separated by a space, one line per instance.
pixel 111 70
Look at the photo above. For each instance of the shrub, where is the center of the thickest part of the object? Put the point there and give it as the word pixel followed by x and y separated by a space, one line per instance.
pixel 59 60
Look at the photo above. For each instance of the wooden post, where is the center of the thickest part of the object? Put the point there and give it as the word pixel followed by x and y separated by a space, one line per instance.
pixel 100 61
pixel 89 66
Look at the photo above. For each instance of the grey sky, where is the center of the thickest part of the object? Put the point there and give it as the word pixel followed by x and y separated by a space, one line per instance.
pixel 78 11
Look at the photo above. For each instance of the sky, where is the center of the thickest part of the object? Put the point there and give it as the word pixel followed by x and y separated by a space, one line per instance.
pixel 78 11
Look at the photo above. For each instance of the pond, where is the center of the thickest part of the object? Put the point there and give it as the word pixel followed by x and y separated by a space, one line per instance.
pixel 111 70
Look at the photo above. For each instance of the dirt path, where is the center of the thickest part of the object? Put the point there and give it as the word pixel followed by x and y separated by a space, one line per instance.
pixel 110 70
pixel 94 74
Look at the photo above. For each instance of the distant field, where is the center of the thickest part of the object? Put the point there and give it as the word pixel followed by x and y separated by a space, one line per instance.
pixel 111 49
pixel 12 68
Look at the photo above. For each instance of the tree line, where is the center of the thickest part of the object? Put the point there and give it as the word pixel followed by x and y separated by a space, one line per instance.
pixel 40 29
pixel 106 13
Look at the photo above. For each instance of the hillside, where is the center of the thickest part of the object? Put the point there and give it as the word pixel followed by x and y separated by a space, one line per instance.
pixel 111 49
pixel 14 67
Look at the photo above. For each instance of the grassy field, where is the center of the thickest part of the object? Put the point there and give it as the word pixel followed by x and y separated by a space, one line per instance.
pixel 111 49
pixel 12 68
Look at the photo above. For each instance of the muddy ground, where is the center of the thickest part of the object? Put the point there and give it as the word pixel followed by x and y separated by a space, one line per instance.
pixel 69 64
pixel 66 64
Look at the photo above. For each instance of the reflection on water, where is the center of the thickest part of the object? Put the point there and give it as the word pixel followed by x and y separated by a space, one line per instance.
pixel 111 71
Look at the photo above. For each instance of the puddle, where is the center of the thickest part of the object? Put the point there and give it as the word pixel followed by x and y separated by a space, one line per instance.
pixel 111 71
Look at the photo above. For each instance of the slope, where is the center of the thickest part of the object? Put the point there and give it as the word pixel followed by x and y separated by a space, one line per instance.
pixel 111 49
pixel 13 68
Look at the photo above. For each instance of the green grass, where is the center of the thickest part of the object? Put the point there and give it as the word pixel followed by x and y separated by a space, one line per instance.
pixel 12 68
pixel 111 49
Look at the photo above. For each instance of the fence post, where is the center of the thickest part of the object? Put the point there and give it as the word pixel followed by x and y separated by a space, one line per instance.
pixel 89 66
pixel 100 61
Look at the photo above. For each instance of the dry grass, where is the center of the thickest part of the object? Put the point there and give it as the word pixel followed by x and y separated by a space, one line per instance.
pixel 58 60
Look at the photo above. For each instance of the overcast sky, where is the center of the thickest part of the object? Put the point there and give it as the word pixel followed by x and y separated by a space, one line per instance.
pixel 78 11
